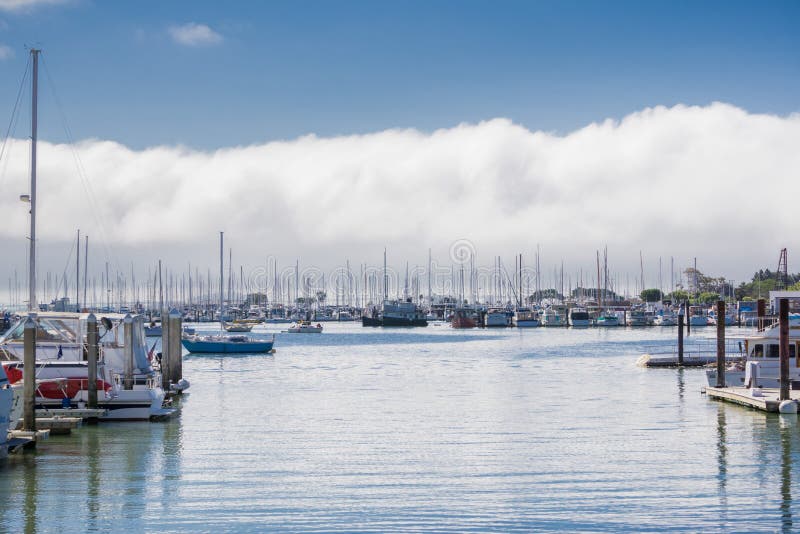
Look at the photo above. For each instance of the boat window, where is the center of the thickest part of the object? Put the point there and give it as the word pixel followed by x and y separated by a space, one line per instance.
pixel 791 350
pixel 774 351
pixel 758 351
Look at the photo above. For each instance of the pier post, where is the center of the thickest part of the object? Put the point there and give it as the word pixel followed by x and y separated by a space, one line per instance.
pixel 688 319
pixel 92 353
pixel 127 324
pixel 761 313
pixel 175 348
pixel 783 350
pixel 721 344
pixel 165 352
pixel 680 337
pixel 29 375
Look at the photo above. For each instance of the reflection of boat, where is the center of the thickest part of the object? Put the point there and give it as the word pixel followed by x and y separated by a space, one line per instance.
pixel 761 366
pixel 579 317
pixel 463 318
pixel 396 313
pixel 526 318
pixel 305 327
pixel 221 343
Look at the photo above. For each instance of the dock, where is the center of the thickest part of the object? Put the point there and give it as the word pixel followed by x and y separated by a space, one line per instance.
pixel 649 360
pixel 764 399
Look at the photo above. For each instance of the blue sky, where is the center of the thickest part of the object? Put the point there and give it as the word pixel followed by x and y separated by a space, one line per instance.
pixel 279 70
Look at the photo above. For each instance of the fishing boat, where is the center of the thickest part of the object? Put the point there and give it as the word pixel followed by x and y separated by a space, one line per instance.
pixel 396 313
pixel 760 364
pixel 305 327
pixel 463 318
pixel 607 319
pixel 552 316
pixel 637 317
pixel 497 317
pixel 526 318
pixel 223 343
pixel 579 317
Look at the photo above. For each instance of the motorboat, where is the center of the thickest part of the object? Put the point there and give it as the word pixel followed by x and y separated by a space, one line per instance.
pixel 607 319
pixel 637 317
pixel 226 344
pixel 760 365
pixel 396 313
pixel 526 318
pixel 463 318
pixel 237 327
pixel 552 316
pixel 497 317
pixel 305 327
pixel 665 319
pixel 579 317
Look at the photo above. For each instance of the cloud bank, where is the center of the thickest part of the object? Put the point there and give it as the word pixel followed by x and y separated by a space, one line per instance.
pixel 6 52
pixel 193 34
pixel 715 182
pixel 26 5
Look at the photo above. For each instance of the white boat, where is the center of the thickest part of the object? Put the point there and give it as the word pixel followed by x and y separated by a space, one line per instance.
pixel 666 319
pixel 60 354
pixel 526 318
pixel 579 317
pixel 607 319
pixel 305 327
pixel 637 317
pixel 552 316
pixel 497 317
pixel 697 316
pixel 761 363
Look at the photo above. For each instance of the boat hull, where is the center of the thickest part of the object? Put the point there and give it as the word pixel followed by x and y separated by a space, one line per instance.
pixel 226 347
pixel 392 321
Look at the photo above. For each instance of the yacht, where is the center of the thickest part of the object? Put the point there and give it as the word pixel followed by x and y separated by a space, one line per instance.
pixel 637 317
pixel 497 317
pixel 553 316
pixel 607 319
pixel 579 317
pixel 526 318
pixel 396 313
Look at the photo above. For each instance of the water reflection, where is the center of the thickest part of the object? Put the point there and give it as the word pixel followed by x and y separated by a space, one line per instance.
pixel 788 428
pixel 30 489
pixel 722 461
pixel 91 451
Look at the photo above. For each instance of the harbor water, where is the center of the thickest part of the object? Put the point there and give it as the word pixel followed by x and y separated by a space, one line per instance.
pixel 371 429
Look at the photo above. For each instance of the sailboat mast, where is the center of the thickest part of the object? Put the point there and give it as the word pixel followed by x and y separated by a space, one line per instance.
pixel 78 274
pixel 34 135
pixel 221 277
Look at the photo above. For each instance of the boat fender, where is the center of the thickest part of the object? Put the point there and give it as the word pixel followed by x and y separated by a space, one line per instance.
pixel 787 406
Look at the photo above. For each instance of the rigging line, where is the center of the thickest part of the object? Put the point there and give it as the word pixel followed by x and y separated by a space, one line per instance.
pixel 67 267
pixel 12 123
pixel 104 241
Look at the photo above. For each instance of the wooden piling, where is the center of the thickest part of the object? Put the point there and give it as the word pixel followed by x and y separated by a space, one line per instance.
pixel 127 324
pixel 175 348
pixel 92 353
pixel 783 351
pixel 680 337
pixel 721 344
pixel 761 313
pixel 29 375
pixel 688 319
pixel 166 364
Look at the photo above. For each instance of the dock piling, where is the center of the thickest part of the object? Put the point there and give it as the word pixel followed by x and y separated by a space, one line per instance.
pixel 92 353
pixel 688 318
pixel 166 364
pixel 127 324
pixel 721 344
pixel 680 337
pixel 29 375
pixel 761 312
pixel 783 347
pixel 175 348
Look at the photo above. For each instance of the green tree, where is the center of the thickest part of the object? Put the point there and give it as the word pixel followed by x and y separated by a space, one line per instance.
pixel 650 295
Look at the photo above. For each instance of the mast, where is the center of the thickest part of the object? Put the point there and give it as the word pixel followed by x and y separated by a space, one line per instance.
pixel 78 274
pixel 221 278
pixel 34 134
pixel 385 278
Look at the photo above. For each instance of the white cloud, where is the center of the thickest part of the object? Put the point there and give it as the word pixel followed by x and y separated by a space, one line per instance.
pixel 192 34
pixel 25 5
pixel 6 52
pixel 712 182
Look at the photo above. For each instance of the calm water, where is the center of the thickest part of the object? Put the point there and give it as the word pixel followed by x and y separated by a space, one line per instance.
pixel 425 429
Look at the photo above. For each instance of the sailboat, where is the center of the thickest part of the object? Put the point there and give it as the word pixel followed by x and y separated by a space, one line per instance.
pixel 223 343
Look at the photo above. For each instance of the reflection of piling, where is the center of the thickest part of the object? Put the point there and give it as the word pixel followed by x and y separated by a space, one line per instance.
pixel 783 351
pixel 92 350
pixel 721 344
pixel 29 376
pixel 174 348
pixel 680 337
pixel 127 324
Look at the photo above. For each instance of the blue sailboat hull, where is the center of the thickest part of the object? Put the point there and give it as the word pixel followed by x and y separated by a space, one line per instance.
pixel 226 347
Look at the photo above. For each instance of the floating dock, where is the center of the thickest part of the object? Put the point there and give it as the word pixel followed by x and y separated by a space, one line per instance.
pixel 649 360
pixel 764 399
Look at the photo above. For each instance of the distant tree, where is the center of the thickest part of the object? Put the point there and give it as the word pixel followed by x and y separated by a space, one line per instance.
pixel 679 295
pixel 707 297
pixel 650 295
